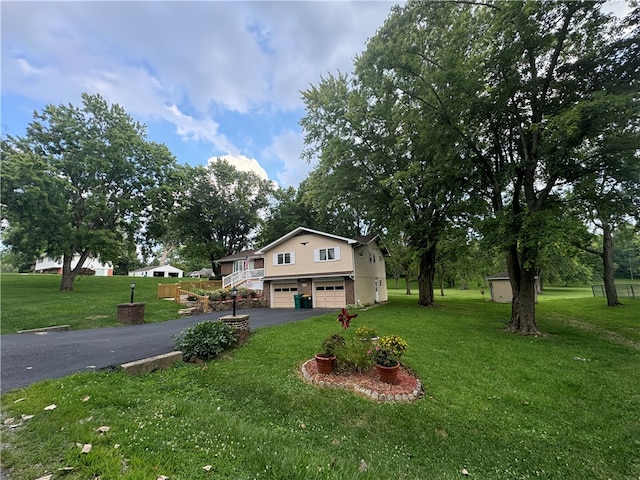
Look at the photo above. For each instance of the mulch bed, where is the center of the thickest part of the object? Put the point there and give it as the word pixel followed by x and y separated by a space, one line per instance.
pixel 408 388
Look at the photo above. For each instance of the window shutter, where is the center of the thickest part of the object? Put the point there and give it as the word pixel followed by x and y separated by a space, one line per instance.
pixel 337 252
pixel 275 259
pixel 293 258
pixel 316 255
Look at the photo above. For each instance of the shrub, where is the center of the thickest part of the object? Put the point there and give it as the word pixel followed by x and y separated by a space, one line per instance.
pixel 205 340
pixel 331 344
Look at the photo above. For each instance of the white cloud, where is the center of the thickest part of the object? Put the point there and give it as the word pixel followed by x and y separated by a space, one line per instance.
pixel 187 63
pixel 242 164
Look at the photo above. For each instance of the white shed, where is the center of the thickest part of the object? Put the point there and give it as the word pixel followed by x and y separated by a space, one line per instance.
pixel 158 271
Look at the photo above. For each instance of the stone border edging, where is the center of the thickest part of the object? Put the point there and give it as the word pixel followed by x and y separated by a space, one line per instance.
pixel 379 397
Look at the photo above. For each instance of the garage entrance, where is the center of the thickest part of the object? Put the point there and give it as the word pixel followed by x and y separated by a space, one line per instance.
pixel 329 294
pixel 282 294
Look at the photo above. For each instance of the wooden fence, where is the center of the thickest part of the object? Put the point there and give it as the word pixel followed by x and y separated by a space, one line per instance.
pixel 171 290
pixel 200 300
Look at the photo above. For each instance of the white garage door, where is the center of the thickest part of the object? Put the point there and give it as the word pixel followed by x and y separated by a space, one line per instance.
pixel 283 295
pixel 329 294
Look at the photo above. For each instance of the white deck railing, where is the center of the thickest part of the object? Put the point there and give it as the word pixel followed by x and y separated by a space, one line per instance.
pixel 236 278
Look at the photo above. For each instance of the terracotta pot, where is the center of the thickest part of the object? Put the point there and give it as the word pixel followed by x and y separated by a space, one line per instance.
pixel 388 374
pixel 325 364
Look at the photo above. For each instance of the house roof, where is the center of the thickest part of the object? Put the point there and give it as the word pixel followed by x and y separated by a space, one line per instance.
pixel 157 267
pixel 310 276
pixel 499 276
pixel 302 230
pixel 238 256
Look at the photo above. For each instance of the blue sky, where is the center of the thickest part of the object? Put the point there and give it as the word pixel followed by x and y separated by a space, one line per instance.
pixel 208 78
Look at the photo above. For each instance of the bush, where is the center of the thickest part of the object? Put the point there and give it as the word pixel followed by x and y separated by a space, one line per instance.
pixel 331 344
pixel 393 344
pixel 205 340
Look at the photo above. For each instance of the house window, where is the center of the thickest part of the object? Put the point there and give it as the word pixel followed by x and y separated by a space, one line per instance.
pixel 326 254
pixel 284 258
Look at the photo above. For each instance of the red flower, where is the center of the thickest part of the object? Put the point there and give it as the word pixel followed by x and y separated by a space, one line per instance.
pixel 344 318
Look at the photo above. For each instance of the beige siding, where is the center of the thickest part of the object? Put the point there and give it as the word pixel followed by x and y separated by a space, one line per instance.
pixel 303 247
pixel 370 275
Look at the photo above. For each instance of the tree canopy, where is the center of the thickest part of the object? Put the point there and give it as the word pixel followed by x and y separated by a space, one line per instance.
pixel 509 103
pixel 78 183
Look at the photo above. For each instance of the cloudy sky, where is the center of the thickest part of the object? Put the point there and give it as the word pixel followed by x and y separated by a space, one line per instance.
pixel 208 78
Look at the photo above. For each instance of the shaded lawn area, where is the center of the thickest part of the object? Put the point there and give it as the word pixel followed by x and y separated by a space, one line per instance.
pixel 565 405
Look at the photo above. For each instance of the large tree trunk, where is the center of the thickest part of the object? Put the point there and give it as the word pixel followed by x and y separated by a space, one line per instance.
pixel 607 263
pixel 523 303
pixel 69 274
pixel 426 276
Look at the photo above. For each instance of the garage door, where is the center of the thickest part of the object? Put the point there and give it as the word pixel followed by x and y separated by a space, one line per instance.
pixel 329 294
pixel 283 295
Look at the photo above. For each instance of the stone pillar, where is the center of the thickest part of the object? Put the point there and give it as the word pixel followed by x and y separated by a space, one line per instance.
pixel 240 323
pixel 131 313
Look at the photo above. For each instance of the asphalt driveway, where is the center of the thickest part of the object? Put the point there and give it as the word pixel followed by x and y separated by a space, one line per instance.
pixel 32 357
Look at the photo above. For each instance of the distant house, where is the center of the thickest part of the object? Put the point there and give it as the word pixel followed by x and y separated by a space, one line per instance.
pixel 335 271
pixel 91 266
pixel 500 288
pixel 158 271
pixel 202 273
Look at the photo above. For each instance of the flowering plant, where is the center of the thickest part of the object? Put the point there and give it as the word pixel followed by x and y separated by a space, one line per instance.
pixel 383 357
pixel 394 344
pixel 365 333
pixel 345 318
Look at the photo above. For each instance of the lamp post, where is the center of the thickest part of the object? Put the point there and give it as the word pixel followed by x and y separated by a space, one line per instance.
pixel 133 287
pixel 234 295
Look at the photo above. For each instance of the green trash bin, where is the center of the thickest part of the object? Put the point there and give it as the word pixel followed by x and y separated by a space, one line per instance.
pixel 306 302
pixel 297 300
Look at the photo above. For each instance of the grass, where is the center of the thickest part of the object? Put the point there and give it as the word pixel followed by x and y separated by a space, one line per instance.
pixel 565 405
pixel 34 301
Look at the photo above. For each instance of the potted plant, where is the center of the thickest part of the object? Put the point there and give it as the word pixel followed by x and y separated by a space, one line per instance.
pixel 386 357
pixel 326 360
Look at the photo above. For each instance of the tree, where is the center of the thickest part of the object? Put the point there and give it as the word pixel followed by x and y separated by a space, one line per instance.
pixel 77 183
pixel 220 211
pixel 500 77
pixel 378 162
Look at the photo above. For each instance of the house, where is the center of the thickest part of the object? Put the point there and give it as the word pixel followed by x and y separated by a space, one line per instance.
pixel 202 273
pixel 335 271
pixel 158 271
pixel 47 264
pixel 500 288
pixel 245 267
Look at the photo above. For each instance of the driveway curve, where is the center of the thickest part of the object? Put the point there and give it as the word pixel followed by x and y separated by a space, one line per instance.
pixel 28 358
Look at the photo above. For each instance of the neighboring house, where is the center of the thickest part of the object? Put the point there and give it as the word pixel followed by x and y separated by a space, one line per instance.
pixel 244 268
pixel 500 288
pixel 203 272
pixel 46 264
pixel 335 271
pixel 158 271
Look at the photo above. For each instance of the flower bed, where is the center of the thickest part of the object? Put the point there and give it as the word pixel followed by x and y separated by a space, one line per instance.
pixel 408 388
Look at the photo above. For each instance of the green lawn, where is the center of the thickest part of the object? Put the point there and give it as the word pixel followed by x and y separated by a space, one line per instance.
pixel 34 301
pixel 561 406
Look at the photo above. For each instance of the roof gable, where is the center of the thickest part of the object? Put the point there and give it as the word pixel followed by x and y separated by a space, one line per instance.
pixel 300 231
